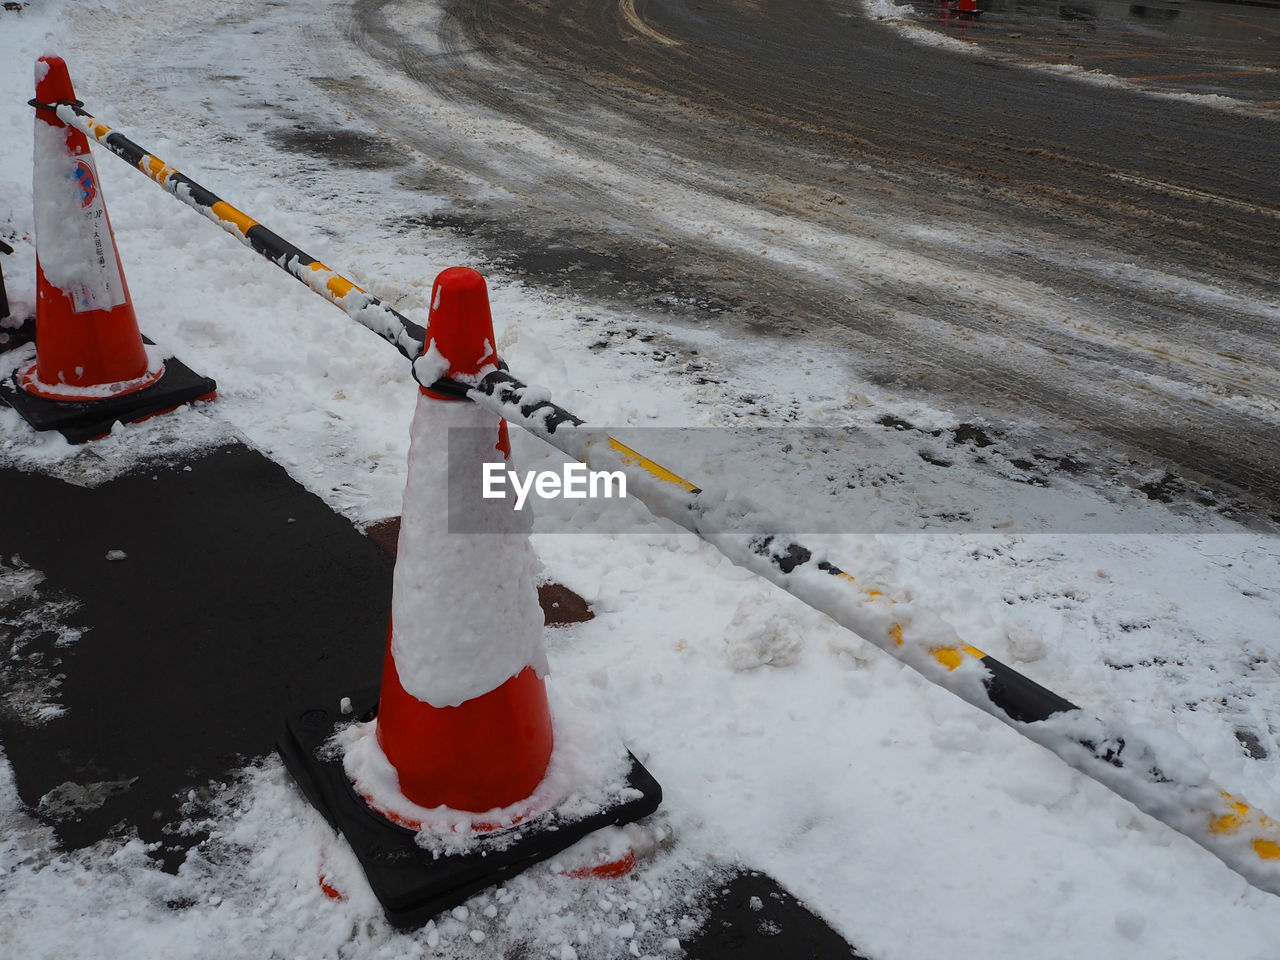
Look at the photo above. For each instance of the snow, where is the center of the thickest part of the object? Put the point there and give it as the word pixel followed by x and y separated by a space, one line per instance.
pixel 915 824
pixel 452 646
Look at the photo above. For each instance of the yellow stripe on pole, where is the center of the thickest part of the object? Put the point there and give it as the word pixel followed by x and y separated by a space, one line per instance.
pixel 337 285
pixel 341 286
pixel 948 657
pixel 156 169
pixel 1233 821
pixel 630 456
pixel 229 214
pixel 1241 816
pixel 951 657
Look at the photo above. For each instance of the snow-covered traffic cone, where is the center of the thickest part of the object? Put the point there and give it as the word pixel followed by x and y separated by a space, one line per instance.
pixel 92 364
pixel 88 346
pixel 454 753
pixel 463 714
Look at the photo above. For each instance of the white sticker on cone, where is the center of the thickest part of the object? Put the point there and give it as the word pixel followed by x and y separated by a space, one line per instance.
pixel 109 291
pixel 73 238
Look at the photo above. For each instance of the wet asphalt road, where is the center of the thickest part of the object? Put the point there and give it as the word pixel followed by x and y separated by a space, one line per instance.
pixel 1093 263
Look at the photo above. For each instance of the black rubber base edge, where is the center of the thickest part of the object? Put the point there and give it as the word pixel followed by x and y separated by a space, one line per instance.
pixel 90 419
pixel 412 884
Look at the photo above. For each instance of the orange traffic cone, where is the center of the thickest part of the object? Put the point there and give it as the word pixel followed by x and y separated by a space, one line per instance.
pixel 462 716
pixel 463 713
pixel 88 346
pixel 93 368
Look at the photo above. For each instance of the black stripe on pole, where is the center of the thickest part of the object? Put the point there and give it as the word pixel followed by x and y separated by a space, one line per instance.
pixel 272 245
pixel 205 198
pixel 122 146
pixel 1022 699
pixel 506 389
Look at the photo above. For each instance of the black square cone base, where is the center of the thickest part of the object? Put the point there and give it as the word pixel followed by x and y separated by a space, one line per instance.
pixel 81 421
pixel 412 884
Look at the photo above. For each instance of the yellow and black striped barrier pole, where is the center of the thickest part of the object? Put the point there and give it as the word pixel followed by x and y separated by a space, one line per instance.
pixel 1244 838
pixel 1221 821
pixel 366 309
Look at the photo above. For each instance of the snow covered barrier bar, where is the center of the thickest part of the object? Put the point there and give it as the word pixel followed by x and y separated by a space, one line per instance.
pixel 366 309
pixel 1165 780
